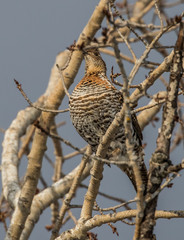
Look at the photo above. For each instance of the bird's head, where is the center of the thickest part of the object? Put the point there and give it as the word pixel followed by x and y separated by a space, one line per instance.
pixel 94 62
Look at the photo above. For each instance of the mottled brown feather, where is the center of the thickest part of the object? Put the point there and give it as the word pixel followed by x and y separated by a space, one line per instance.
pixel 93 106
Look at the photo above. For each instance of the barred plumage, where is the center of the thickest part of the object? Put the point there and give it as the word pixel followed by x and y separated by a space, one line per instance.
pixel 93 106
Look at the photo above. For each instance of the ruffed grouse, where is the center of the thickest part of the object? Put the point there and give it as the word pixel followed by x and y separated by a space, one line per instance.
pixel 93 106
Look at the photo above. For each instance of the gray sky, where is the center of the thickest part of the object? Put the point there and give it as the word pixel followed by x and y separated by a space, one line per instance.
pixel 31 35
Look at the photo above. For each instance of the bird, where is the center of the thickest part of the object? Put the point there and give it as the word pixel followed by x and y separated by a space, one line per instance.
pixel 93 106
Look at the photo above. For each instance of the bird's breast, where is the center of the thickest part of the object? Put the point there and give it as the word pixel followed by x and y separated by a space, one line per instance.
pixel 92 110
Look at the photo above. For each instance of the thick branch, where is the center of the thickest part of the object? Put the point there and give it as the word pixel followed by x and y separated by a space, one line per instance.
pixel 160 159
pixel 53 102
pixel 79 232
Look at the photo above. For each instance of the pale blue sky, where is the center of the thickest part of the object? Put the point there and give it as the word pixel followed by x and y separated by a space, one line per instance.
pixel 31 35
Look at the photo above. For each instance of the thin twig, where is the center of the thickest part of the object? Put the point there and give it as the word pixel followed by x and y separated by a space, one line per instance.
pixel 96 158
pixel 114 229
pixel 130 148
pixel 19 86
pixel 62 79
pixel 145 54
pixel 120 34
pixel 129 26
pixel 73 154
pixel 105 195
pixel 117 206
pixel 148 106
pixel 159 15
pixel 164 185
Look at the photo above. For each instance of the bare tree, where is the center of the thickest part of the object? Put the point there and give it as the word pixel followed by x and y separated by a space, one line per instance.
pixel 128 26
